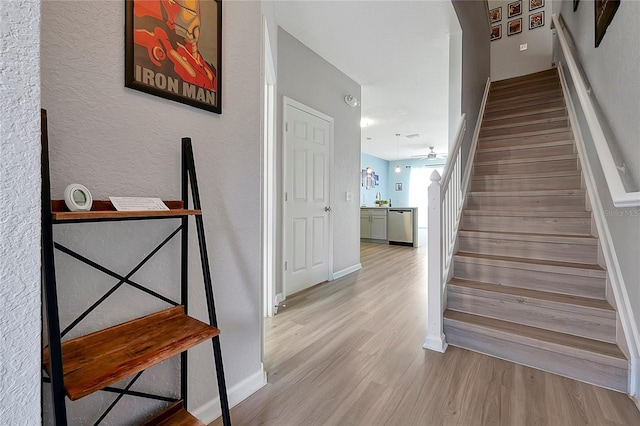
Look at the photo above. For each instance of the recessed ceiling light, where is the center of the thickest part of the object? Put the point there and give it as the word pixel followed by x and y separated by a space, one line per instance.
pixel 365 122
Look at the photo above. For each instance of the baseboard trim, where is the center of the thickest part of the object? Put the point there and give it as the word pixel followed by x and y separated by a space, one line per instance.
pixel 210 411
pixel 347 271
pixel 634 381
pixel 614 272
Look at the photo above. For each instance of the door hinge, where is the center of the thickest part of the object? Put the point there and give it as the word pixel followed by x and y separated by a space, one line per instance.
pixel 286 196
pixel 286 126
pixel 286 264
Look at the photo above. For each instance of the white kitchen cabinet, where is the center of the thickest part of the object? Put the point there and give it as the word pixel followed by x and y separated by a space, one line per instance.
pixel 373 223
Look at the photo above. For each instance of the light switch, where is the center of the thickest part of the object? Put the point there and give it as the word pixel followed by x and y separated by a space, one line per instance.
pixel 523 47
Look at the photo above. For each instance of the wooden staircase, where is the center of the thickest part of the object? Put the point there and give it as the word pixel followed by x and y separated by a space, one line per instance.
pixel 527 285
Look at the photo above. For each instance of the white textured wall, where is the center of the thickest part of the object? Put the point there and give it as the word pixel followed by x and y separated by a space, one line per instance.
pixel 507 60
pixel 20 212
pixel 118 141
pixel 612 72
pixel 306 77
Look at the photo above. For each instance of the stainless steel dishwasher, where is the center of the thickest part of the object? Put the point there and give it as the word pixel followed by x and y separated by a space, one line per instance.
pixel 400 226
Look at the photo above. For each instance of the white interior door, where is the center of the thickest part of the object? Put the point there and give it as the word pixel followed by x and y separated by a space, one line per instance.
pixel 308 138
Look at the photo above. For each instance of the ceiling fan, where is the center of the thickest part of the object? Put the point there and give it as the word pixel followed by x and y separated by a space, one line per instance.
pixel 431 155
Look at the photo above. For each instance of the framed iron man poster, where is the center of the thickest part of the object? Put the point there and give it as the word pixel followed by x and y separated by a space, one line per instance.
pixel 173 49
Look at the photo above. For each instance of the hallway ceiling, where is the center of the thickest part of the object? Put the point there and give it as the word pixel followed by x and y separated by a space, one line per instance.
pixel 398 52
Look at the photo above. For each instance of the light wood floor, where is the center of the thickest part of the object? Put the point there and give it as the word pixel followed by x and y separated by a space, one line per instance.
pixel 349 352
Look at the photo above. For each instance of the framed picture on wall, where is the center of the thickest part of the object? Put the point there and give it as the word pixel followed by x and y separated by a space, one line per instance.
pixel 535 4
pixel 515 27
pixel 399 186
pixel 496 32
pixel 514 9
pixel 605 11
pixel 174 50
pixel 495 15
pixel 536 20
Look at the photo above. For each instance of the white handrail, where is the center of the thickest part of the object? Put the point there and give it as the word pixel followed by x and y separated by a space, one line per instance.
pixel 619 195
pixel 451 159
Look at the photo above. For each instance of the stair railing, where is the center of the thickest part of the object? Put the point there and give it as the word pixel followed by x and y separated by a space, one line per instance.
pixel 445 207
pixel 447 194
pixel 619 195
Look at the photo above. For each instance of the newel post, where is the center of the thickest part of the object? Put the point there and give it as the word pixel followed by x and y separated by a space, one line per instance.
pixel 435 336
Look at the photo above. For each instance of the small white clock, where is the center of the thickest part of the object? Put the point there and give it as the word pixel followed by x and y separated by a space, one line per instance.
pixel 77 198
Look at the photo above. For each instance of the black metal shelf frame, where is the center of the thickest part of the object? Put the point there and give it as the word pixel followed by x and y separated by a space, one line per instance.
pixel 188 177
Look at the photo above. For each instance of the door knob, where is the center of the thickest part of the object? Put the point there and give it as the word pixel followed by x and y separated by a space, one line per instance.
pixel 327 209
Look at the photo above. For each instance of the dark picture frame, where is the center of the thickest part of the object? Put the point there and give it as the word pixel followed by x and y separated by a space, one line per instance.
pixel 514 27
pixel 536 20
pixel 173 54
pixel 604 13
pixel 496 32
pixel 495 15
pixel 535 4
pixel 514 9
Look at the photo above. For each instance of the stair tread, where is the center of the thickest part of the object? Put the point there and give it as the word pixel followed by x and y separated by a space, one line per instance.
pixel 536 193
pixel 519 135
pixel 533 334
pixel 510 213
pixel 586 302
pixel 533 110
pixel 529 237
pixel 523 79
pixel 532 121
pixel 498 108
pixel 528 160
pixel 174 415
pixel 509 176
pixel 528 261
pixel 102 358
pixel 522 147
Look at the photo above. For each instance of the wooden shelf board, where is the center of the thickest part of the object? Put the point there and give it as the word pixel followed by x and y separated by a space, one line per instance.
pixel 174 415
pixel 104 210
pixel 102 358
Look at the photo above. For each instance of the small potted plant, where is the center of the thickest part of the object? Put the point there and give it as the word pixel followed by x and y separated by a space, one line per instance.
pixel 381 203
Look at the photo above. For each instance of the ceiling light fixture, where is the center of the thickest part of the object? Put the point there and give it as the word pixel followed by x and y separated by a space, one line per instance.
pixel 352 101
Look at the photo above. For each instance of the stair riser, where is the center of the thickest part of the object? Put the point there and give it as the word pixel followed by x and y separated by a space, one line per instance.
pixel 569 319
pixel 525 140
pixel 577 285
pixel 530 111
pixel 597 373
pixel 526 168
pixel 530 184
pixel 524 128
pixel 499 87
pixel 523 100
pixel 500 109
pixel 530 91
pixel 510 154
pixel 528 120
pixel 538 225
pixel 561 252
pixel 541 203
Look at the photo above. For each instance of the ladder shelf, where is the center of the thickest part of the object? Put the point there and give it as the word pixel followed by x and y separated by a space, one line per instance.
pixel 94 362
